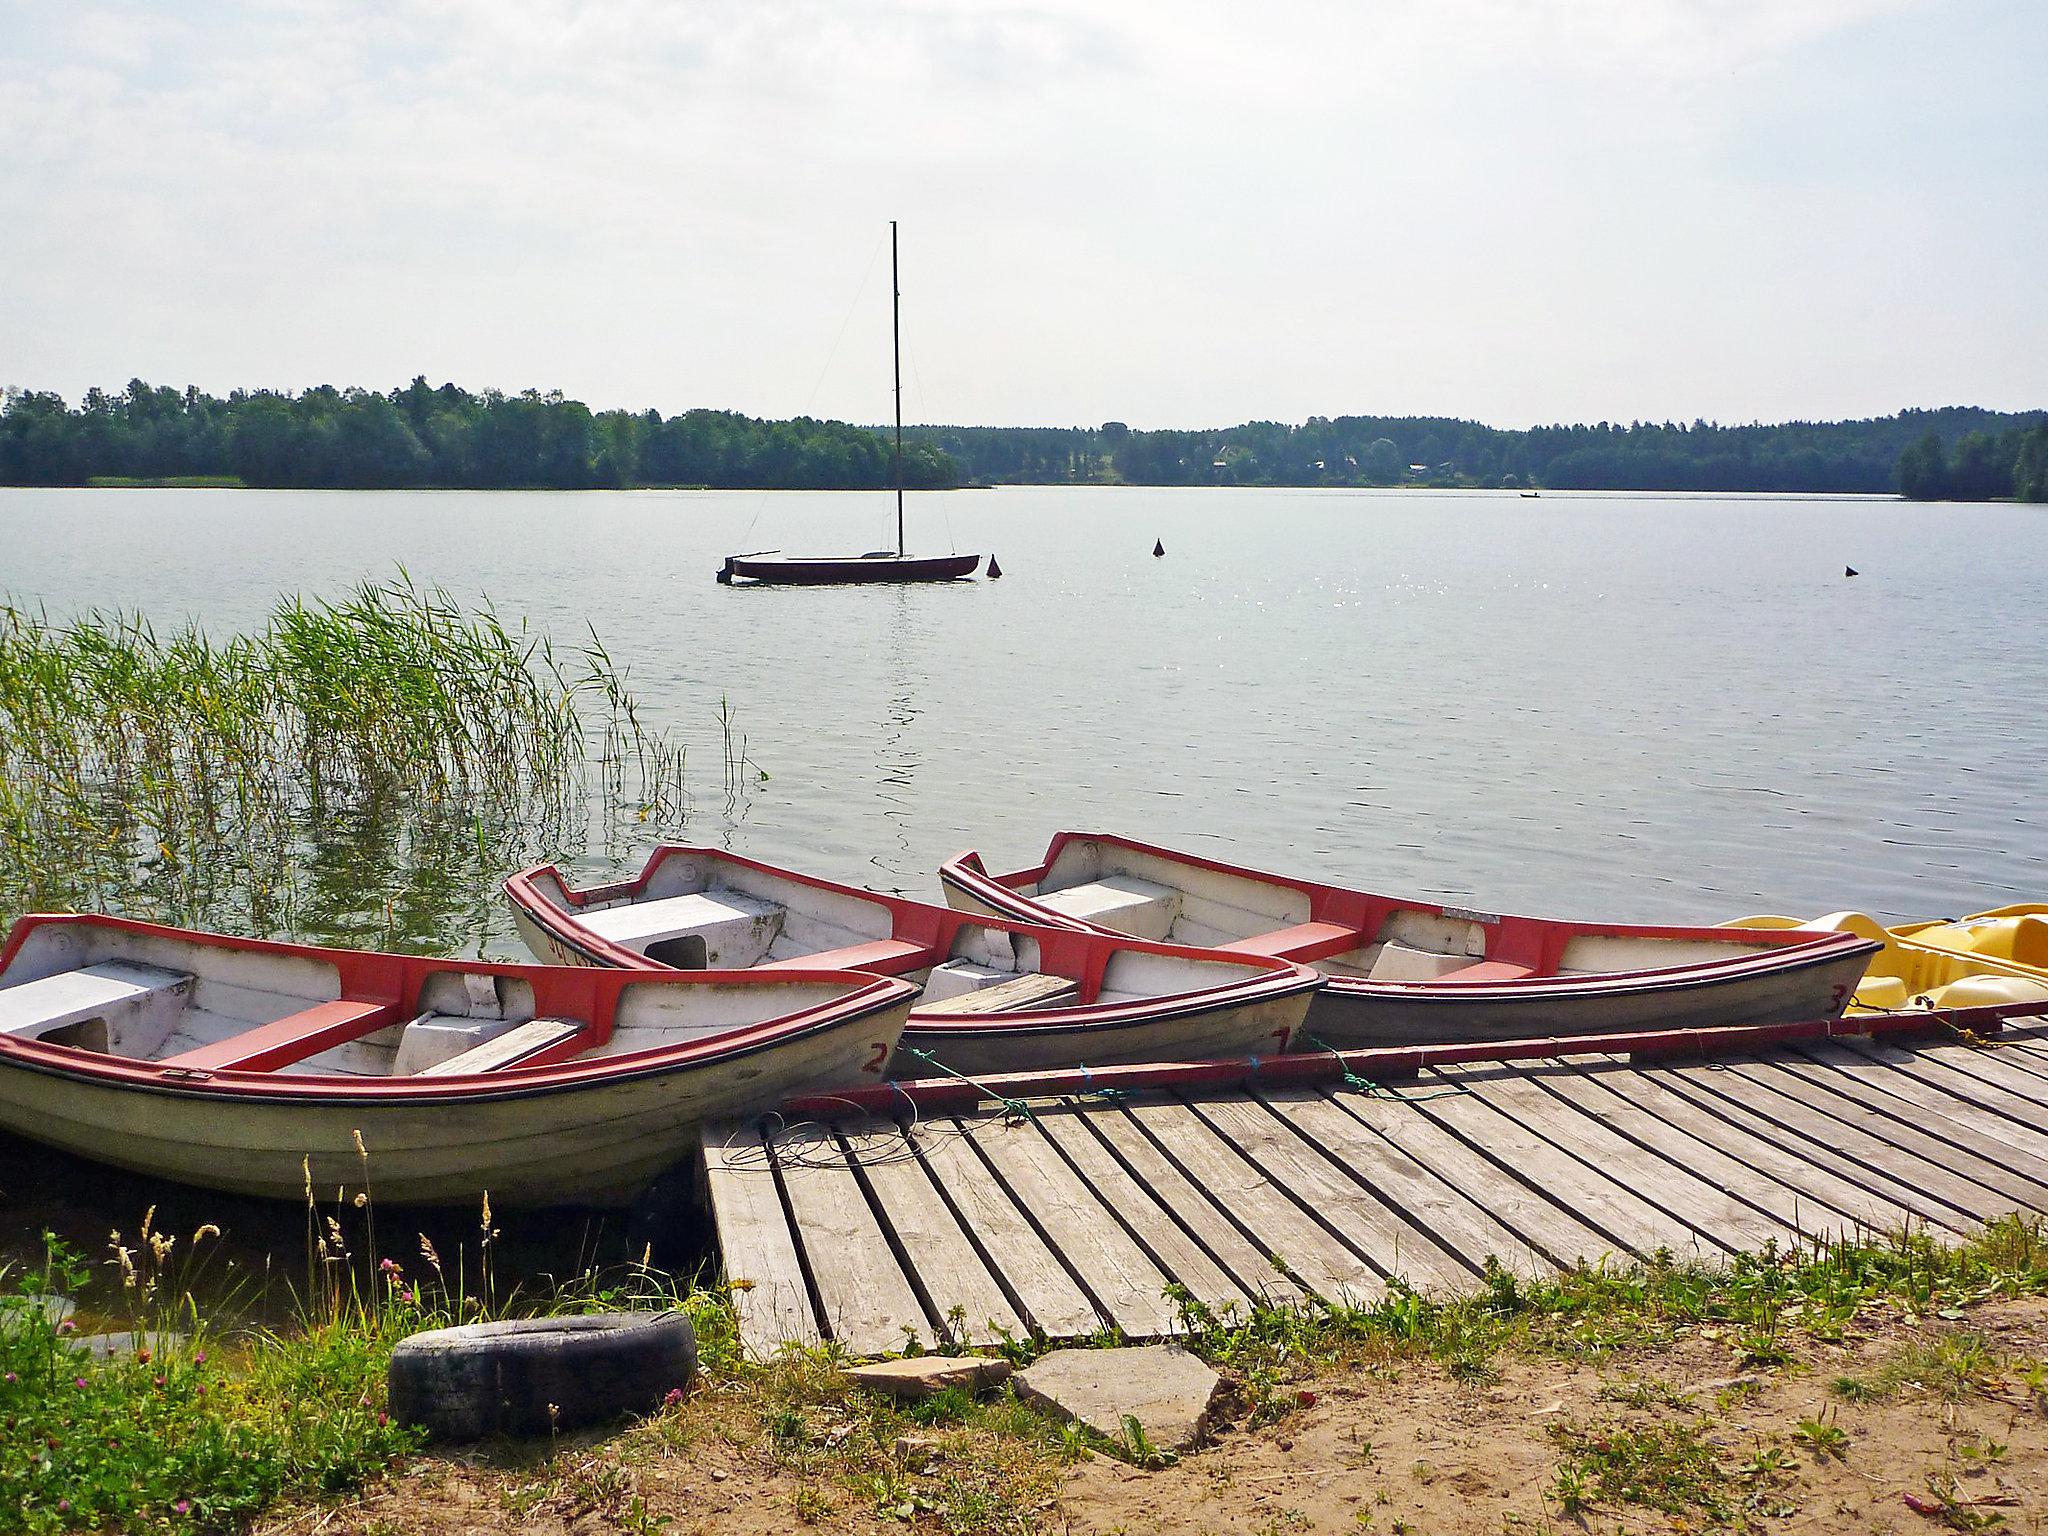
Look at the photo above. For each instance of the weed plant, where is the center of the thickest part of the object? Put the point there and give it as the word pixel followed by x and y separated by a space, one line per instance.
pixel 360 770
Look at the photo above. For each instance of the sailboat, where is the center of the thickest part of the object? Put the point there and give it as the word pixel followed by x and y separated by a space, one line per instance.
pixel 772 567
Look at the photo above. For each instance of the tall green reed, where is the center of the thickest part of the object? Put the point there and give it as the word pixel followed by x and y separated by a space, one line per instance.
pixel 357 769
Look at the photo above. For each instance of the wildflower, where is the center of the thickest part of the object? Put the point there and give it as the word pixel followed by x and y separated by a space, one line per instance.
pixel 183 1506
pixel 67 1326
pixel 158 1380
pixel 81 1383
pixel 407 1296
pixel 675 1396
pixel 142 1356
pixel 63 1506
pixel 383 1419
pixel 199 1357
pixel 11 1378
pixel 389 1266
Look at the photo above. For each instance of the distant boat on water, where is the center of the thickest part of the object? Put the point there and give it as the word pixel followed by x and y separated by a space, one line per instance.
pixel 772 567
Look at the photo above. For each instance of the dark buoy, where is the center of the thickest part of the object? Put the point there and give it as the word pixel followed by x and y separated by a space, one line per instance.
pixel 1158 547
pixel 995 572
pixel 1849 570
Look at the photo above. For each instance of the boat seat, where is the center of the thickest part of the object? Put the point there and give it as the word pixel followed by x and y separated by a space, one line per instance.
pixel 1486 971
pixel 290 1039
pixel 735 929
pixel 1304 942
pixel 885 955
pixel 1034 990
pixel 29 1009
pixel 1140 908
pixel 535 1043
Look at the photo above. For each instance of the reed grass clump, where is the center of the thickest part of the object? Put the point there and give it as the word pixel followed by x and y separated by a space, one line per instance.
pixel 356 769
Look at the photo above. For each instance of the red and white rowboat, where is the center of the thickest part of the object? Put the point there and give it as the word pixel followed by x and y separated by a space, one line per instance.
pixel 999 996
pixel 248 1066
pixel 1413 972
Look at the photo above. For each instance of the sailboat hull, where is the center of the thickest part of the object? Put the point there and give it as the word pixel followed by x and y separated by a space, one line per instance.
pixel 846 570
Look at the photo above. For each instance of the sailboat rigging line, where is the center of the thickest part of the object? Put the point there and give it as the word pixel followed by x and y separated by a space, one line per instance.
pixel 896 349
pixel 859 293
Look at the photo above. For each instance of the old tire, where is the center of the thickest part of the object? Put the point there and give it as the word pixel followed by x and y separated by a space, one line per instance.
pixel 541 1374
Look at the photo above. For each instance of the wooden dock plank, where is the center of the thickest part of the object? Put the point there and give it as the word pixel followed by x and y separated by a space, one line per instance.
pixel 1371 1227
pixel 1806 1178
pixel 1986 1155
pixel 953 1283
pixel 1904 1073
pixel 2002 1185
pixel 1033 1276
pixel 1273 1221
pixel 1451 1219
pixel 1249 1265
pixel 1116 1273
pixel 1145 1220
pixel 1926 1188
pixel 1638 1226
pixel 769 1295
pixel 1796 1214
pixel 1542 1224
pixel 867 1305
pixel 1993 1066
pixel 1695 1203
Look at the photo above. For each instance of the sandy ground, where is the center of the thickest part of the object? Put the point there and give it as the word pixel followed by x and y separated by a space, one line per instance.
pixel 1385 1449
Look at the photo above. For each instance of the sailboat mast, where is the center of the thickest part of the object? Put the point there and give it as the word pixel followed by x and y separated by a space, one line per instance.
pixel 896 346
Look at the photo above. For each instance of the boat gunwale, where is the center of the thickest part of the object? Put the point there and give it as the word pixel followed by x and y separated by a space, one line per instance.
pixel 870 993
pixel 1786 950
pixel 1279 977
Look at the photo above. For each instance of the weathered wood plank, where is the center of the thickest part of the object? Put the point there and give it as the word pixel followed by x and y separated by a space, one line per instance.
pixel 769 1296
pixel 1370 1226
pixel 953 1283
pixel 1871 1155
pixel 1115 1272
pixel 1545 1226
pixel 1796 1215
pixel 1033 989
pixel 1906 1074
pixel 1140 1212
pixel 1272 1220
pixel 1249 1265
pixel 1637 1225
pixel 1052 1302
pixel 1804 1177
pixel 1695 1203
pixel 1448 1216
pixel 1985 1155
pixel 1993 1067
pixel 2006 1186
pixel 867 1305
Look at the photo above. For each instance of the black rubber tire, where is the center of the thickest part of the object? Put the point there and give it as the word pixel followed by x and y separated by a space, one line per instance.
pixel 538 1375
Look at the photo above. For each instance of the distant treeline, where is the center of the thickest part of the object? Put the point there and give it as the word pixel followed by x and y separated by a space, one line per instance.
pixel 1439 450
pixel 1979 467
pixel 446 436
pixel 423 436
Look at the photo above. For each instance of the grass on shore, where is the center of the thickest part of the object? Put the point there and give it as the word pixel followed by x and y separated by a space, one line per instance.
pixel 207 1434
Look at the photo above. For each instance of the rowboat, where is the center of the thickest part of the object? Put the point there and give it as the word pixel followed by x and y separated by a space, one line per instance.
pixel 1405 972
pixel 1988 959
pixel 999 996
pixel 268 1069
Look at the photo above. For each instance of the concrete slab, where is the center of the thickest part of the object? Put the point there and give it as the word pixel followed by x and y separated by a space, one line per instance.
pixel 1167 1390
pixel 117 1346
pixel 928 1375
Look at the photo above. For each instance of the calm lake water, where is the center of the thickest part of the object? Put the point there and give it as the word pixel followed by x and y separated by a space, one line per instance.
pixel 1589 705
pixel 1595 706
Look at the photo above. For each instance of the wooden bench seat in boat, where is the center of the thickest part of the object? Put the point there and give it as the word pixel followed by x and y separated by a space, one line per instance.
pixel 516 1047
pixel 1305 942
pixel 882 954
pixel 729 924
pixel 1487 970
pixel 34 1008
pixel 1140 908
pixel 287 1040
pixel 1033 990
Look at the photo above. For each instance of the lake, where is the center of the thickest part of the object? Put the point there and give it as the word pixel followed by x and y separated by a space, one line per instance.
pixel 1670 708
pixel 1591 705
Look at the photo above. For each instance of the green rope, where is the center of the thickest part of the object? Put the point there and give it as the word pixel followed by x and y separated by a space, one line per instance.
pixel 1016 1109
pixel 1373 1090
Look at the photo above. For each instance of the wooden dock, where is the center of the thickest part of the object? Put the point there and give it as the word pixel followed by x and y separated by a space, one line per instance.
pixel 1079 1216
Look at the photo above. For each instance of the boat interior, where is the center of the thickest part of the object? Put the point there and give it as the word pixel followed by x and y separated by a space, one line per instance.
pixel 205 1007
pixel 1911 973
pixel 695 910
pixel 1155 896
pixel 2014 935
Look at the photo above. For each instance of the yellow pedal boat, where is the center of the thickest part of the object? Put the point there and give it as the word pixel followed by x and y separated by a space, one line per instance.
pixel 1985 959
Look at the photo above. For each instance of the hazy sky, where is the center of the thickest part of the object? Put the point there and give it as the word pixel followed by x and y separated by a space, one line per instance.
pixel 1185 213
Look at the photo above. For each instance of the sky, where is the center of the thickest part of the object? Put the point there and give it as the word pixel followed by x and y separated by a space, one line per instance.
pixel 1165 212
